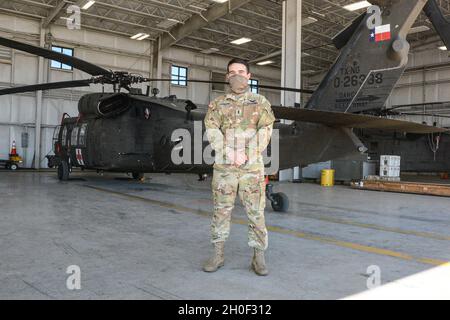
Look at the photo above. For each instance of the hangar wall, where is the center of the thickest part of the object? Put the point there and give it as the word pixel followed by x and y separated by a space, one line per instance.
pixel 18 112
pixel 426 79
pixel 200 66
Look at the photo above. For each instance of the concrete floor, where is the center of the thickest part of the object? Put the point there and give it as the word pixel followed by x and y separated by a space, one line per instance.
pixel 148 240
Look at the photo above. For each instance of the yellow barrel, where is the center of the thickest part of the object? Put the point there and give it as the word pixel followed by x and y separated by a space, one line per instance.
pixel 327 179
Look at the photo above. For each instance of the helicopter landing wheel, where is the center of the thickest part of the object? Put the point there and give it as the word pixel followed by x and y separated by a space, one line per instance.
pixel 278 200
pixel 63 171
pixel 138 176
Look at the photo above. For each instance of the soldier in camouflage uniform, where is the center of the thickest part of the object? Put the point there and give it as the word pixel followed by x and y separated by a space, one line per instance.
pixel 239 127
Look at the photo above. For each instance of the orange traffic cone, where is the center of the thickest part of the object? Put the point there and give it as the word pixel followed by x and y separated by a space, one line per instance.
pixel 13 149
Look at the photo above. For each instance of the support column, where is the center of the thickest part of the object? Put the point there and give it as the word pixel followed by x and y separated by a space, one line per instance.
pixel 38 120
pixel 291 66
pixel 157 66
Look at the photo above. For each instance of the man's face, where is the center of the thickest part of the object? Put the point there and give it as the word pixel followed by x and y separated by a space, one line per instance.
pixel 238 69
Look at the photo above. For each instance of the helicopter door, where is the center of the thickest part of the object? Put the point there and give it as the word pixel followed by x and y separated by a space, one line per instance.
pixel 56 141
pixel 80 151
pixel 64 139
pixel 73 145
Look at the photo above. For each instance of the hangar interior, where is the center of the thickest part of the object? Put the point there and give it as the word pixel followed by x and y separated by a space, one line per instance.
pixel 141 239
pixel 203 48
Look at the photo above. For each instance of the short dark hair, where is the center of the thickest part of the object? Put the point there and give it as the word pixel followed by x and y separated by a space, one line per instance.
pixel 240 61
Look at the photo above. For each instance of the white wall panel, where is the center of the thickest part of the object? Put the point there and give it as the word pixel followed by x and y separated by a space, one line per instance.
pixel 4 142
pixel 5 108
pixel 5 72
pixel 25 69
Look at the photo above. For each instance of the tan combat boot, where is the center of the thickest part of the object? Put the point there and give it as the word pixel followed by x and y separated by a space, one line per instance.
pixel 259 263
pixel 217 260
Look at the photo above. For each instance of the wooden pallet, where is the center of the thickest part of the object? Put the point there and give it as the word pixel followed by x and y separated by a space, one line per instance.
pixel 403 187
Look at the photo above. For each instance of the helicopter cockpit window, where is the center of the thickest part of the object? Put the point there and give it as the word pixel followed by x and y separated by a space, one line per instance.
pixel 82 136
pixel 64 137
pixel 56 133
pixel 74 136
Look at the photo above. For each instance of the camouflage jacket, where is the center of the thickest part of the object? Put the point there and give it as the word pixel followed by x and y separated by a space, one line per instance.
pixel 239 122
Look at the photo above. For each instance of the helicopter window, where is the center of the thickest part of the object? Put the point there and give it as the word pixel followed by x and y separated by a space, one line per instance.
pixel 74 136
pixel 254 82
pixel 179 75
pixel 56 133
pixel 59 65
pixel 82 136
pixel 64 137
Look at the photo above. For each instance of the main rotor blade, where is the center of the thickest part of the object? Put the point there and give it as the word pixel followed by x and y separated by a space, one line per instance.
pixel 79 64
pixel 47 86
pixel 254 86
pixel 439 21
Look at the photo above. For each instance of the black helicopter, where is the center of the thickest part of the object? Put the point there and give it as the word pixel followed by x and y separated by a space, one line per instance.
pixel 131 131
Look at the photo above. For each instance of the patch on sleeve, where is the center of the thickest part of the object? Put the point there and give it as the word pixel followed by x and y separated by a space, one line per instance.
pixel 267 116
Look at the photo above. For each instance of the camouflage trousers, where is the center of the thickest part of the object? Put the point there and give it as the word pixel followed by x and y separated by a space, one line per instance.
pixel 250 185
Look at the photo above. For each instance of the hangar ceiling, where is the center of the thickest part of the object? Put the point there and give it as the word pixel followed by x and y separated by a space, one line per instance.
pixel 200 26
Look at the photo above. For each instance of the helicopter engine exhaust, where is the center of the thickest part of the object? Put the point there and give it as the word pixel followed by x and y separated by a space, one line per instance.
pixel 105 106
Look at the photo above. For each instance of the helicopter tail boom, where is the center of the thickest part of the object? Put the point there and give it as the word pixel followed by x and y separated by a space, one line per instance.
pixel 349 120
pixel 371 61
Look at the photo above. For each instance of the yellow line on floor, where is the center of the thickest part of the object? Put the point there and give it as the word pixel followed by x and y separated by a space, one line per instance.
pixel 280 230
pixel 374 226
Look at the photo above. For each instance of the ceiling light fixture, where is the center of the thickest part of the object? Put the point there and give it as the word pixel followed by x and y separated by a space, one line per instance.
pixel 145 36
pixel 263 63
pixel 241 41
pixel 88 4
pixel 357 5
pixel 137 36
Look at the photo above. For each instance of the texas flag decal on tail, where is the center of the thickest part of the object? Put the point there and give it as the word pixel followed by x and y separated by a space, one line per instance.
pixel 381 33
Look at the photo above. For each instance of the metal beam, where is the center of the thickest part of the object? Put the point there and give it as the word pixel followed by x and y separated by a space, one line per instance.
pixel 54 14
pixel 128 10
pixel 36 3
pixel 268 56
pixel 174 8
pixel 234 35
pixel 122 22
pixel 214 42
pixel 197 22
pixel 19 13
